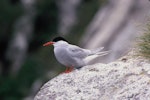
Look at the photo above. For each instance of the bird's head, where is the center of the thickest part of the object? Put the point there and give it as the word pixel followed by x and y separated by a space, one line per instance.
pixel 54 41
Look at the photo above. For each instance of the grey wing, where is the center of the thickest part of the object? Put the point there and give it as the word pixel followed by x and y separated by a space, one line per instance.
pixel 78 52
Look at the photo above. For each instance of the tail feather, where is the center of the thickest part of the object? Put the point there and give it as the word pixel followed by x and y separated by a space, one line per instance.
pixel 94 55
pixel 102 53
pixel 99 52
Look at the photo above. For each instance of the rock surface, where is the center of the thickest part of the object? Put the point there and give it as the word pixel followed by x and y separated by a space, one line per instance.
pixel 125 79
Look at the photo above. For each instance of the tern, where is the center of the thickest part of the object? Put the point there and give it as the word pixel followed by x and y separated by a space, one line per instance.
pixel 72 56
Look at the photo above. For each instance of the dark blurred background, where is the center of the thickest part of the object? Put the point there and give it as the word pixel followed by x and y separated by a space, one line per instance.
pixel 25 65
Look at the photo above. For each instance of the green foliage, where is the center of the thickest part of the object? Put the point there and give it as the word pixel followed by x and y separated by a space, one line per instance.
pixel 15 88
pixel 9 12
pixel 9 89
pixel 144 43
pixel 45 23
pixel 34 67
pixel 46 19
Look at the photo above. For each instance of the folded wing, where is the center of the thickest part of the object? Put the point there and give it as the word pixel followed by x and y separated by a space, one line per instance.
pixel 78 52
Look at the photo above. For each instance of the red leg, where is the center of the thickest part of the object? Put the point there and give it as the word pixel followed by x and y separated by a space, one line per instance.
pixel 68 69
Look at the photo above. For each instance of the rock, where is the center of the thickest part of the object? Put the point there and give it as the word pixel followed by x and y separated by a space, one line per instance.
pixel 125 79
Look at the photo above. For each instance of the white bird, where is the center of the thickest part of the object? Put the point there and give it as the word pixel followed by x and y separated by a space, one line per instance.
pixel 70 55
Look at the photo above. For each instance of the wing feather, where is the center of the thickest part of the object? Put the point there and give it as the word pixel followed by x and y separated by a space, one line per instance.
pixel 78 52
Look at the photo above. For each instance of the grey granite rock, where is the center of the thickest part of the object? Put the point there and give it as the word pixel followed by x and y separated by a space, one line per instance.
pixel 125 79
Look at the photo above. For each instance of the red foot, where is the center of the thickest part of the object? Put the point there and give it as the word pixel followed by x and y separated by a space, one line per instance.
pixel 68 69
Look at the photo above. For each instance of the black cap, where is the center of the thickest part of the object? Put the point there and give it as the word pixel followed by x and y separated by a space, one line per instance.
pixel 56 39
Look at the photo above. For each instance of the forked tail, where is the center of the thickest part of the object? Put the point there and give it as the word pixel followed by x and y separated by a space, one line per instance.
pixel 99 52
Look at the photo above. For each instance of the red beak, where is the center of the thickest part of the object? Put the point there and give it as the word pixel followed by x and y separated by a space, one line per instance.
pixel 48 43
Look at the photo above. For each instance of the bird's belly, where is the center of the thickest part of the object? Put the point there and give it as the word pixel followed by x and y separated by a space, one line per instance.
pixel 64 58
